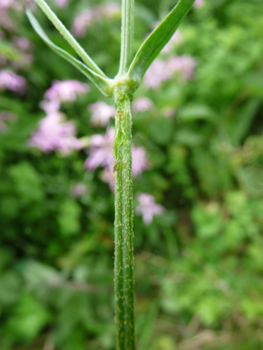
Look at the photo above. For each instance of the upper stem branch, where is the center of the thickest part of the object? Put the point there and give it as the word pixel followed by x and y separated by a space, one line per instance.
pixel 127 35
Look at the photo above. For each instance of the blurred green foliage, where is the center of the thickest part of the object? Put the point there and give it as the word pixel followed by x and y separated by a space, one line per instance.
pixel 198 268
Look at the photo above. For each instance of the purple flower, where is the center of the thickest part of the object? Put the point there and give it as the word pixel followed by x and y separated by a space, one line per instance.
pixel 161 71
pixel 78 189
pixel 12 81
pixel 139 160
pixel 101 154
pixel 7 3
pixel 175 39
pixel 55 134
pixel 5 20
pixel 66 90
pixel 22 43
pixel 147 207
pixel 89 16
pixel 61 3
pixel 101 113
pixel 142 104
pixel 184 65
pixel 157 73
pixel 50 106
pixel 83 20
pixel 101 151
pixel 199 3
pixel 107 176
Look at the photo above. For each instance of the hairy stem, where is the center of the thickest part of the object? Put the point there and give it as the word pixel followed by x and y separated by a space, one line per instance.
pixel 127 35
pixel 123 270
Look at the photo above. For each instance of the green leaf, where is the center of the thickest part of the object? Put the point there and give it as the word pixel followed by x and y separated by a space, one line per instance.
pixel 29 318
pixel 238 126
pixel 102 83
pixel 154 43
pixel 196 112
pixel 68 37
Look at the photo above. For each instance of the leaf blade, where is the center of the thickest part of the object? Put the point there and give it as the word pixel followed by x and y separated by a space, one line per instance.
pixel 103 84
pixel 160 36
pixel 69 38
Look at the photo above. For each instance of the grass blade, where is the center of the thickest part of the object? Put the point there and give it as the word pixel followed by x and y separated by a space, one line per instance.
pixel 155 42
pixel 103 84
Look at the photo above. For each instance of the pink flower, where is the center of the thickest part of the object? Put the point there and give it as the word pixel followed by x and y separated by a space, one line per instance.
pixel 184 64
pixel 101 151
pixel 12 81
pixel 22 43
pixel 156 74
pixel 7 3
pixel 50 106
pixel 148 208
pixel 89 16
pixel 55 134
pixel 66 90
pixel 101 154
pixel 175 39
pixel 61 3
pixel 101 113
pixel 82 21
pixel 199 3
pixel 142 104
pixel 139 160
pixel 5 20
pixel 161 71
pixel 78 189
pixel 107 176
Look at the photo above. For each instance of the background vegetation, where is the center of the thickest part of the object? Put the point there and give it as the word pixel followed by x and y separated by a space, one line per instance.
pixel 198 267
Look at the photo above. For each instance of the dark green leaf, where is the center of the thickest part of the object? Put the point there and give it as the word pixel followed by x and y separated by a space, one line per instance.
pixel 104 85
pixel 154 43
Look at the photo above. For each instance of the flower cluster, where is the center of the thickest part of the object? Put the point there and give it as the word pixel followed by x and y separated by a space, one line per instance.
pixel 66 91
pixel 54 132
pixel 101 113
pixel 12 81
pixel 89 16
pixel 141 104
pixel 147 207
pixel 163 70
pixel 101 154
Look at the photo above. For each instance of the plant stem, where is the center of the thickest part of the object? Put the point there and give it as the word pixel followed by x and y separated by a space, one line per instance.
pixel 123 270
pixel 127 35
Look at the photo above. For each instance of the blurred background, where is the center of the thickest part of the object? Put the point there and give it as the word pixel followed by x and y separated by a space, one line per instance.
pixel 198 181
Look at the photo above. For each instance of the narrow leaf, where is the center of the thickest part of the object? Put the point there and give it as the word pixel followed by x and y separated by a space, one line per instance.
pixel 103 84
pixel 68 37
pixel 154 43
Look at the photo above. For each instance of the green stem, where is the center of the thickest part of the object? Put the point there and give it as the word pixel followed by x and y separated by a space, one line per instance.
pixel 127 36
pixel 123 270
